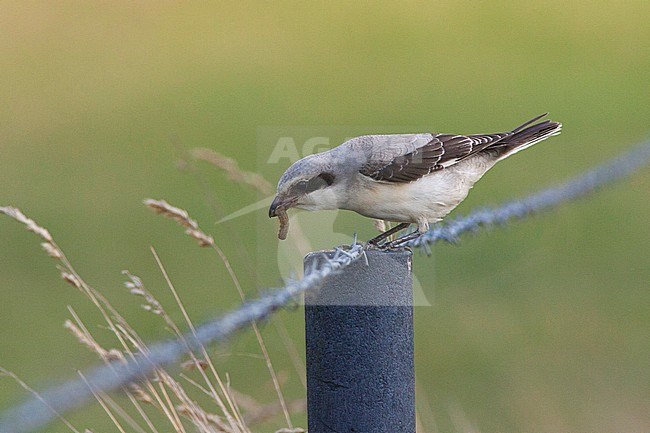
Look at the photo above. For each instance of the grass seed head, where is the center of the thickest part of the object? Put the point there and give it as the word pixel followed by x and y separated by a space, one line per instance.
pixel 232 170
pixel 181 216
pixel 29 223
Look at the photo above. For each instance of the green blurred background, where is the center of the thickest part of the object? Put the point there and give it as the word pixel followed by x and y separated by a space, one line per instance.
pixel 542 326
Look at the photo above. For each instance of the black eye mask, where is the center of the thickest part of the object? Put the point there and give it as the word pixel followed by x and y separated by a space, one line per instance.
pixel 321 181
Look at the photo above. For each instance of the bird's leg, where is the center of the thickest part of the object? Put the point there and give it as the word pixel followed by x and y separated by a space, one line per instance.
pixel 402 241
pixel 423 226
pixel 384 235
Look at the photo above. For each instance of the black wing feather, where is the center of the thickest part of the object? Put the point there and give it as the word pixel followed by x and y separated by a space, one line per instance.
pixel 442 151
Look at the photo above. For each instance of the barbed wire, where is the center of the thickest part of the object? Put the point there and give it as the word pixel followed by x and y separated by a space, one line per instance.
pixel 47 405
pixel 572 189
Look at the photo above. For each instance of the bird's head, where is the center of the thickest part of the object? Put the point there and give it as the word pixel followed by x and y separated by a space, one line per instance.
pixel 309 183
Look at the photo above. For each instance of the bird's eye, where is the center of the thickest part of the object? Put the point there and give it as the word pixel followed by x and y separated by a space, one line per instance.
pixel 302 186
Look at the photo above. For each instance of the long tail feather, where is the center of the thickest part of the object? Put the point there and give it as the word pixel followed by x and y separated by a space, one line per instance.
pixel 525 136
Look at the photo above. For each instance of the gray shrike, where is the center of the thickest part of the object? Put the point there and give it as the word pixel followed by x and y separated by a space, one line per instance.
pixel 404 178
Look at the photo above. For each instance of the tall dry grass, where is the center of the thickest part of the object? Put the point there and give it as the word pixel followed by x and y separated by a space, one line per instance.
pixel 172 393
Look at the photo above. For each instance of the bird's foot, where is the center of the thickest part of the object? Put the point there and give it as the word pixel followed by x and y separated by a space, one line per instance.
pixel 375 242
pixel 379 246
pixel 403 241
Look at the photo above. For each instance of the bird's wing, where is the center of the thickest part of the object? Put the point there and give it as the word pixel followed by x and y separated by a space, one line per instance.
pixel 405 158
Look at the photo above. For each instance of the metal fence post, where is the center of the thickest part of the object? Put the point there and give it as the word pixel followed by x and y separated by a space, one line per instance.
pixel 359 341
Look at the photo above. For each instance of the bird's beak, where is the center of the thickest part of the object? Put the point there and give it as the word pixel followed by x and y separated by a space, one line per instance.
pixel 283 202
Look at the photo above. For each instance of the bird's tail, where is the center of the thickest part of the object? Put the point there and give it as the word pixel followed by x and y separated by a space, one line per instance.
pixel 526 135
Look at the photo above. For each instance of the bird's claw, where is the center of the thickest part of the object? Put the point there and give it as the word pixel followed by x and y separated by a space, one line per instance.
pixel 399 243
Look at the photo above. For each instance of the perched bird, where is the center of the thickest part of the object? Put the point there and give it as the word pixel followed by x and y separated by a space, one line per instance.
pixel 404 178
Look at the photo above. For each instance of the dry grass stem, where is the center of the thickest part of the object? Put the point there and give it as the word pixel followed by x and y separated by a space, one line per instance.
pixel 68 273
pixel 104 406
pixel 51 250
pixel 181 216
pixel 122 331
pixel 162 392
pixel 211 421
pixel 71 279
pixel 121 412
pixel 29 223
pixel 27 388
pixel 258 335
pixel 257 413
pixel 49 246
pixel 295 357
pixel 85 339
pixel 136 287
pixel 140 394
pixel 234 420
pixel 232 170
pixel 193 364
pixel 380 225
pixel 237 175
